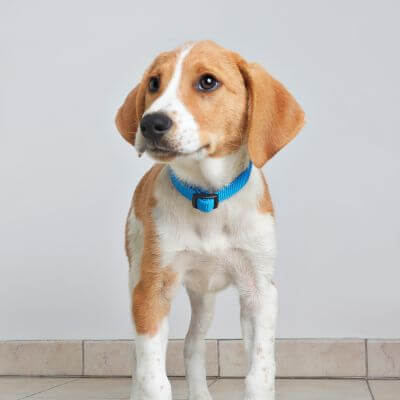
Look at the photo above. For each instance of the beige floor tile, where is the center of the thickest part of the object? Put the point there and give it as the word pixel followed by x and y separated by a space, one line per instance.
pixel 232 358
pixel 105 388
pixel 301 358
pixel 90 388
pixel 41 357
pixel 322 389
pixel 384 358
pixel 13 388
pixel 297 389
pixel 175 361
pixel 180 388
pixel 108 357
pixel 385 389
pixel 227 389
pixel 320 358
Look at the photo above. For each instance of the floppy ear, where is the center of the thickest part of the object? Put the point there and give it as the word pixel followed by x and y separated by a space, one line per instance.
pixel 274 117
pixel 129 114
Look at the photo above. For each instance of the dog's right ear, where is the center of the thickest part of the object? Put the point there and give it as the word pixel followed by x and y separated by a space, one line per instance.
pixel 129 114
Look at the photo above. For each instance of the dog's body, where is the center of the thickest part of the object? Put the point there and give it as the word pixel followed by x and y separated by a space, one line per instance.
pixel 207 137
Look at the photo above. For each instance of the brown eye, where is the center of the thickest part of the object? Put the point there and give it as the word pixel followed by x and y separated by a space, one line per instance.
pixel 154 84
pixel 207 83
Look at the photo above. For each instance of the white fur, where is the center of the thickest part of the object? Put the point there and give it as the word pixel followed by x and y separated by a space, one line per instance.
pixel 194 350
pixel 134 240
pixel 234 244
pixel 185 138
pixel 150 378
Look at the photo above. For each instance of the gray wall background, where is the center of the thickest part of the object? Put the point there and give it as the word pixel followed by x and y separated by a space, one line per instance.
pixel 67 177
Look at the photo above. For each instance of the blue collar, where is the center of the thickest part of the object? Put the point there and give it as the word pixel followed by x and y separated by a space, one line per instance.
pixel 204 201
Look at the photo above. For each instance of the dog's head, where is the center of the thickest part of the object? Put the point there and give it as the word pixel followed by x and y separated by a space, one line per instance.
pixel 202 100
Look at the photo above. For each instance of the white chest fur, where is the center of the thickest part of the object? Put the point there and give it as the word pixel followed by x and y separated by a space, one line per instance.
pixel 208 249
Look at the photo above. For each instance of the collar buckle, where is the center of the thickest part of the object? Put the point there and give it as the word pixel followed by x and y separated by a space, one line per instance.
pixel 205 196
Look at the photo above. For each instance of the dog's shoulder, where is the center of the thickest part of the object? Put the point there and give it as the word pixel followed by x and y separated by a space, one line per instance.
pixel 143 198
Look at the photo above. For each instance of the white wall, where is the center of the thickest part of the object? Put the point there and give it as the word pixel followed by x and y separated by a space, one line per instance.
pixel 66 177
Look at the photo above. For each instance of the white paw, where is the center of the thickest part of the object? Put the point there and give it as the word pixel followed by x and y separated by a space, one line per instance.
pixel 148 388
pixel 258 389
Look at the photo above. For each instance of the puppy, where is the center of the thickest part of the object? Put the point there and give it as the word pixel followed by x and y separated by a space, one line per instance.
pixel 202 216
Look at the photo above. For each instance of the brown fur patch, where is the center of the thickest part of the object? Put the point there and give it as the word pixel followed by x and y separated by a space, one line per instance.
pixel 265 203
pixel 221 114
pixel 150 297
pixel 129 114
pixel 151 300
pixel 274 116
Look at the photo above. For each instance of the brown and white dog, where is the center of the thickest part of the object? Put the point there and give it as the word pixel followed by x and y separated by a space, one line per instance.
pixel 205 113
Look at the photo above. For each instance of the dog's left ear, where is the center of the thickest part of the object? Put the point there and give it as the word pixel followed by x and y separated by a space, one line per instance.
pixel 129 114
pixel 274 116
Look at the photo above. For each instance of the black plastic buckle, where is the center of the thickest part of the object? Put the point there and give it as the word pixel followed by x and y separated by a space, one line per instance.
pixel 197 196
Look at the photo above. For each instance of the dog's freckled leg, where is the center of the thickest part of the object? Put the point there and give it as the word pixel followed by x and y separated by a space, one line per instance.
pixel 151 381
pixel 258 316
pixel 195 347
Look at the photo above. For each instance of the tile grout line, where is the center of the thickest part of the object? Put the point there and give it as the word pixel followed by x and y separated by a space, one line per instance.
pixel 83 358
pixel 367 370
pixel 370 390
pixel 218 361
pixel 366 359
pixel 46 390
pixel 213 383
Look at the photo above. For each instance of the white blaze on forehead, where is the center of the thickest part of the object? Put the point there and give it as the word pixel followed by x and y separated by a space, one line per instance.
pixel 185 137
pixel 166 100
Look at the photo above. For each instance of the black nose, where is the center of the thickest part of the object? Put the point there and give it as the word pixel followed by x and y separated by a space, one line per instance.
pixel 155 125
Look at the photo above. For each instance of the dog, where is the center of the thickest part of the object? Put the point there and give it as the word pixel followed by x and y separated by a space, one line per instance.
pixel 202 216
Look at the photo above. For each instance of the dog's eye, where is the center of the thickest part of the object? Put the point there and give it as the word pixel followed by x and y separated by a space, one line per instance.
pixel 207 83
pixel 154 84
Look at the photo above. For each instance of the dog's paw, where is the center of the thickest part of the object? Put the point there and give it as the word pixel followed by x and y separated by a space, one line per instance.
pixel 152 389
pixel 258 388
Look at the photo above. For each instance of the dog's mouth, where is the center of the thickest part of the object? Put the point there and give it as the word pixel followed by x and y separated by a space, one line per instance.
pixel 160 151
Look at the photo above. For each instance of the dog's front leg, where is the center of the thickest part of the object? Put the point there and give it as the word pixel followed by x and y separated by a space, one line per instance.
pixel 195 347
pixel 150 306
pixel 151 382
pixel 258 317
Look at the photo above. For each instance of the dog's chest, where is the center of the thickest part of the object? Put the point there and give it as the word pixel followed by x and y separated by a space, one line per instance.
pixel 207 247
pixel 236 227
pixel 201 238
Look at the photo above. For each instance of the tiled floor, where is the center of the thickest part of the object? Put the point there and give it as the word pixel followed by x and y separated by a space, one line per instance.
pixel 14 388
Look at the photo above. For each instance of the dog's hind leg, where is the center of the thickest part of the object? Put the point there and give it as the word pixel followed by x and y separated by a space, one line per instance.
pixel 195 347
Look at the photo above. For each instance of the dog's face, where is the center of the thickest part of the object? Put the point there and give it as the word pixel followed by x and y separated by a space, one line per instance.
pixel 204 101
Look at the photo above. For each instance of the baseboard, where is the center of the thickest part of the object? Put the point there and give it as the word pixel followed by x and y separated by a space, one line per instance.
pixel 300 358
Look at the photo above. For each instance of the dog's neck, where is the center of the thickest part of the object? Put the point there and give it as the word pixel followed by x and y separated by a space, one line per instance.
pixel 212 173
